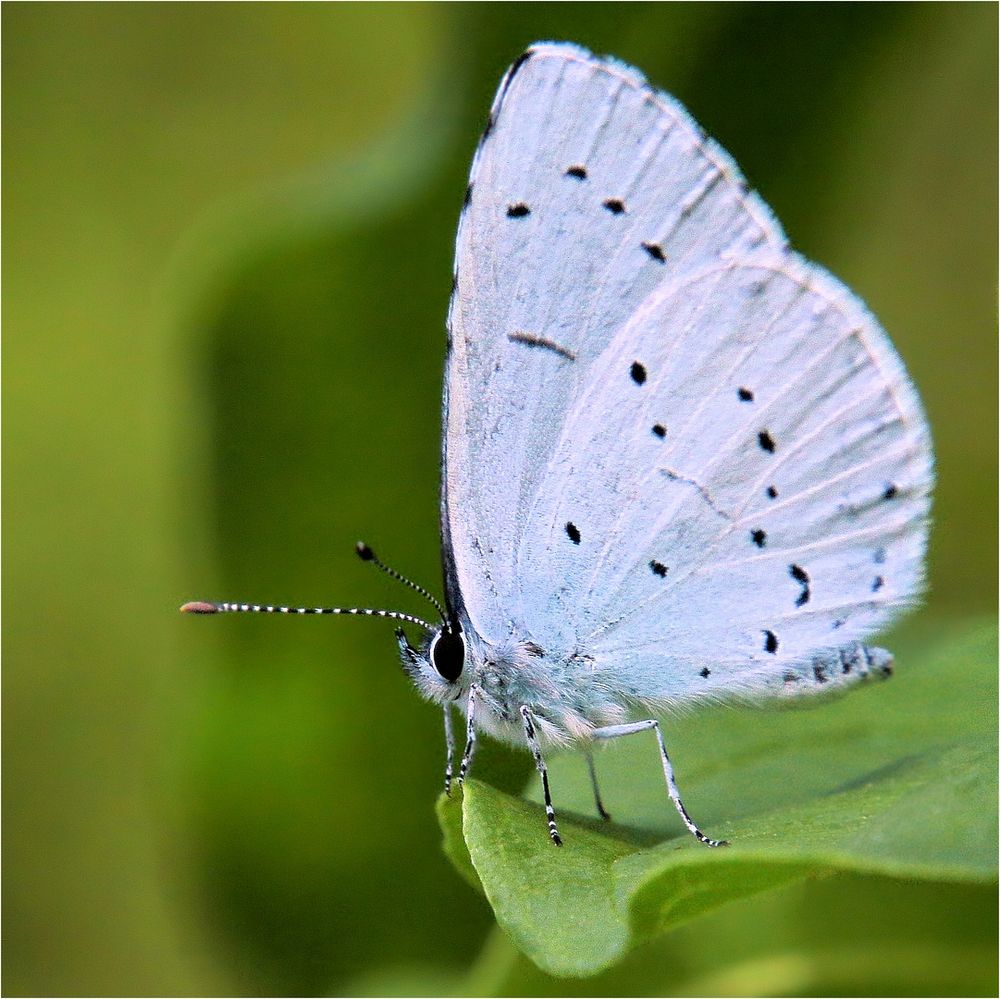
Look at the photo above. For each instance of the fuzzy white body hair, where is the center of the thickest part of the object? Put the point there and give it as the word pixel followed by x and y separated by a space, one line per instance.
pixel 571 696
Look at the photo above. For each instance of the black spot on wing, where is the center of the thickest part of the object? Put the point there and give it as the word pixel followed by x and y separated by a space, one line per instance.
pixel 660 430
pixel 745 394
pixel 655 251
pixel 800 576
pixel 614 205
pixel 891 491
pixel 759 537
pixel 659 569
pixel 518 211
pixel 467 200
pixel 534 340
pixel 577 171
pixel 770 642
pixel 766 441
pixel 638 373
pixel 772 492
pixel 820 674
pixel 877 584
pixel 573 532
pixel 705 672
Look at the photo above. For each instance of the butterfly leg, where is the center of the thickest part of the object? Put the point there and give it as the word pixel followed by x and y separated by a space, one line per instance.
pixel 614 731
pixel 449 741
pixel 470 737
pixel 601 810
pixel 536 752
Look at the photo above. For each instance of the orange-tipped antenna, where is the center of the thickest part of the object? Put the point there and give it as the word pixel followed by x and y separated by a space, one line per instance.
pixel 206 607
pixel 367 555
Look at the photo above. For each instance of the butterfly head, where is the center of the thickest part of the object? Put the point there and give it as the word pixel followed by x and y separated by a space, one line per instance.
pixel 437 666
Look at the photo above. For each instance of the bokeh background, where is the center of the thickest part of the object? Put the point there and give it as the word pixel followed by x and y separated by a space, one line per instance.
pixel 227 257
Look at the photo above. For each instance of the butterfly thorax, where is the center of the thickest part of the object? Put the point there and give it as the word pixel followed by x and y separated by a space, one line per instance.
pixel 566 701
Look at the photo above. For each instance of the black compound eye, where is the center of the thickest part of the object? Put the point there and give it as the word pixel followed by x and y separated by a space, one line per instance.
pixel 448 652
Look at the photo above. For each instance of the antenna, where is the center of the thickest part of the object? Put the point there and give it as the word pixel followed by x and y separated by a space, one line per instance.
pixel 207 607
pixel 367 555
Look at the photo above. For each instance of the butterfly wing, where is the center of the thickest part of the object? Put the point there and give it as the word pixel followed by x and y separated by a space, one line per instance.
pixel 588 192
pixel 759 495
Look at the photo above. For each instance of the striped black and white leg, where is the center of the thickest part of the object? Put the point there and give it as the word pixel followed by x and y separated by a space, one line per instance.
pixel 536 752
pixel 615 731
pixel 449 741
pixel 601 810
pixel 470 737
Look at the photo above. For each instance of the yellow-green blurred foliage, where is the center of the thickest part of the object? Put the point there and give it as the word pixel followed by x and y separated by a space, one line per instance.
pixel 227 257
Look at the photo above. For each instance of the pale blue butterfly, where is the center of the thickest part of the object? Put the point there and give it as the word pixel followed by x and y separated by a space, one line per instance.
pixel 680 463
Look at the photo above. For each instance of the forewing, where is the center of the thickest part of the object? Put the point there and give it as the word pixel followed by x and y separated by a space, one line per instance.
pixel 588 192
pixel 759 494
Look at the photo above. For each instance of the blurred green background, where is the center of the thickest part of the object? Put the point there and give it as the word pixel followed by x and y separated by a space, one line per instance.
pixel 227 259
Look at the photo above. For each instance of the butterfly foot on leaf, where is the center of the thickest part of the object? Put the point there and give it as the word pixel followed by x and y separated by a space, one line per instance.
pixel 713 842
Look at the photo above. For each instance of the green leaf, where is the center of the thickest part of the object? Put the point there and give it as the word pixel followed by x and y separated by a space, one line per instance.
pixel 898 780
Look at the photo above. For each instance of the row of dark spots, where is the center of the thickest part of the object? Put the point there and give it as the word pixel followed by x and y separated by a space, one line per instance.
pixel 764 438
pixel 878 557
pixel 519 209
pixel 638 374
pixel 616 206
pixel 573 533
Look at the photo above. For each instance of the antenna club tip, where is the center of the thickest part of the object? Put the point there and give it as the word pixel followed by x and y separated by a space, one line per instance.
pixel 364 552
pixel 199 607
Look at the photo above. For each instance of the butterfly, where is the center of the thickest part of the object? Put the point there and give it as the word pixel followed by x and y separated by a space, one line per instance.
pixel 680 462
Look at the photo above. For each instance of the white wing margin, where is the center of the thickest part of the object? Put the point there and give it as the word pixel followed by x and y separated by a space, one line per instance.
pixel 589 191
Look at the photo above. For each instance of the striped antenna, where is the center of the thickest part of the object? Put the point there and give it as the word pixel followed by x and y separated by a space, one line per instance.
pixel 367 555
pixel 206 607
